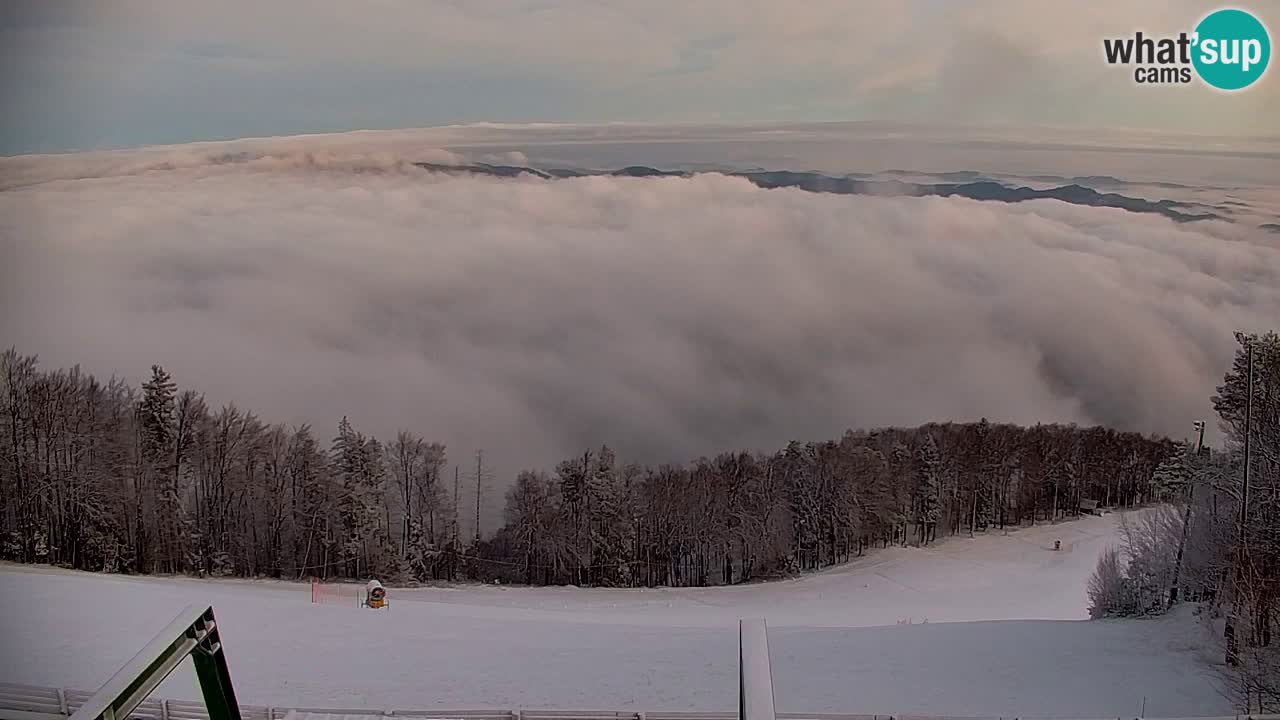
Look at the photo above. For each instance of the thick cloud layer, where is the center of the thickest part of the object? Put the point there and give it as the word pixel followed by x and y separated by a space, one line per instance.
pixel 669 317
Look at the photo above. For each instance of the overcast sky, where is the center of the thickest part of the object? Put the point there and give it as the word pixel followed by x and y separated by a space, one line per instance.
pixel 86 75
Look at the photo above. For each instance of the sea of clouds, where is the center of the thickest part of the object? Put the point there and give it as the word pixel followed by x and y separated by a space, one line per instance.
pixel 669 317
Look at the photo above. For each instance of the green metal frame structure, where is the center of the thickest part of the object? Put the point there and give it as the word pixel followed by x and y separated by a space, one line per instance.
pixel 194 633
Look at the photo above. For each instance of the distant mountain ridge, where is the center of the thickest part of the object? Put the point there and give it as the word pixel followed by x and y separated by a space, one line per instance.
pixel 975 187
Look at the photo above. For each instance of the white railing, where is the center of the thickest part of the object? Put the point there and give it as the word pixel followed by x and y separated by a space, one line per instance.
pixel 29 702
pixel 755 678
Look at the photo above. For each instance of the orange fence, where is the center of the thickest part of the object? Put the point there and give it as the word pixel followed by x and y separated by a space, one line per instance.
pixel 326 593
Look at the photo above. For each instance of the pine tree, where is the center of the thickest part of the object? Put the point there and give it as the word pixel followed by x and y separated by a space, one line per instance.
pixel 929 488
pixel 1172 477
pixel 900 463
pixel 157 413
pixel 575 476
pixel 358 473
pixel 984 466
pixel 159 488
pixel 603 505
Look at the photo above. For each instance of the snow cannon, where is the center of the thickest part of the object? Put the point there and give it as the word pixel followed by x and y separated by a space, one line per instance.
pixel 375 596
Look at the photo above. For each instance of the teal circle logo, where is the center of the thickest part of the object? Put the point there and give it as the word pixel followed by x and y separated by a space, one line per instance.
pixel 1232 49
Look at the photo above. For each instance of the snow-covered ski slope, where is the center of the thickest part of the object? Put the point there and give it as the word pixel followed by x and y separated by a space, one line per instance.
pixel 994 630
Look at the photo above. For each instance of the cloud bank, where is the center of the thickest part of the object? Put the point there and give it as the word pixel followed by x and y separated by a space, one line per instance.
pixel 669 317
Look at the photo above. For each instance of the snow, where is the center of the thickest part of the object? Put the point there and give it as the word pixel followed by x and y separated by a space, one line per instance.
pixel 994 629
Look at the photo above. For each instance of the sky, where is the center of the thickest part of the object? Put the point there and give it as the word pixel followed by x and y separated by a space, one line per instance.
pixel 90 75
pixel 317 272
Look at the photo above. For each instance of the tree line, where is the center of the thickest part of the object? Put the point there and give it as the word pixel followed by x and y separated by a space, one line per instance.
pixel 98 475
pixel 102 476
pixel 741 516
pixel 1212 541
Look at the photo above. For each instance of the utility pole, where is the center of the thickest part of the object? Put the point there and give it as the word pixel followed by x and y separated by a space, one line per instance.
pixel 1186 520
pixel 1248 433
pixel 454 550
pixel 479 482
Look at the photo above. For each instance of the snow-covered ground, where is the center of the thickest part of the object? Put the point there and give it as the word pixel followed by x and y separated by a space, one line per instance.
pixel 993 631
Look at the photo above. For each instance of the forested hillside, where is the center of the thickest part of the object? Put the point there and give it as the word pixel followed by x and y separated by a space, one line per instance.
pixel 1217 540
pixel 100 475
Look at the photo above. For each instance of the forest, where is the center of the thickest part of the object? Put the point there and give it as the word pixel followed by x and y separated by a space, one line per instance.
pixel 741 516
pixel 1215 539
pixel 103 476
